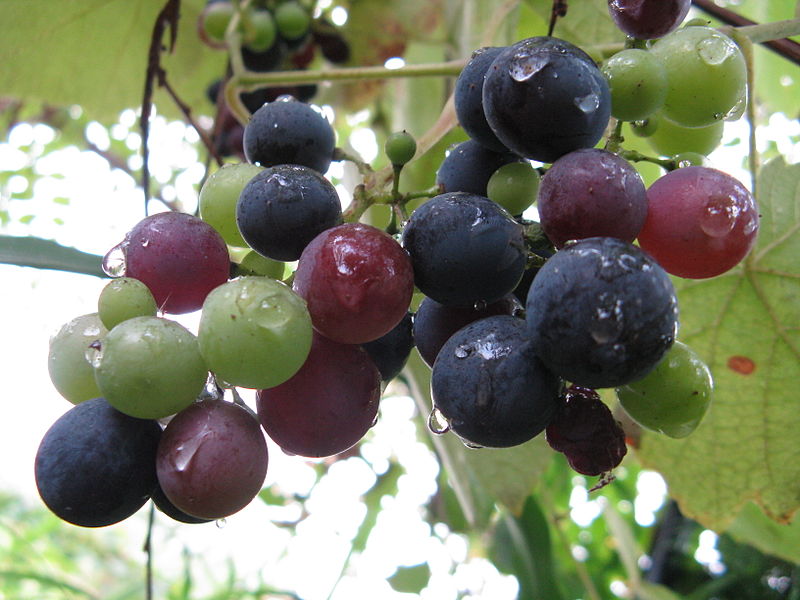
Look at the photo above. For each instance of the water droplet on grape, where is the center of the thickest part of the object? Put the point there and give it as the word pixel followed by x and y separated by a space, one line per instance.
pixel 462 351
pixel 719 216
pixel 735 113
pixel 94 353
pixel 480 305
pixel 437 422
pixel 588 103
pixel 524 65
pixel 114 260
pixel 220 523
pixel 183 455
pixel 715 50
pixel 471 445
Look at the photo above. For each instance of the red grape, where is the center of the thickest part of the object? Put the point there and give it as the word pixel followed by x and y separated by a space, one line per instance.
pixel 179 257
pixel 328 405
pixel 648 19
pixel 212 459
pixel 700 222
pixel 357 281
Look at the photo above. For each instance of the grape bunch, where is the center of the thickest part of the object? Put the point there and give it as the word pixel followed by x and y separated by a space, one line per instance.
pixel 520 322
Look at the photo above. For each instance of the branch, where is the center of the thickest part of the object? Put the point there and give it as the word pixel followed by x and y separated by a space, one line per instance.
pixel 772 35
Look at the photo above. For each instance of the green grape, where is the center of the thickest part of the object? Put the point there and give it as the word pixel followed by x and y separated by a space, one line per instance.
pixel 255 332
pixel 707 75
pixel 255 264
pixel 292 19
pixel 70 371
pixel 638 84
pixel 215 18
pixel 514 186
pixel 670 138
pixel 261 30
pixel 673 398
pixel 124 298
pixel 150 367
pixel 218 198
pixel 690 159
pixel 400 147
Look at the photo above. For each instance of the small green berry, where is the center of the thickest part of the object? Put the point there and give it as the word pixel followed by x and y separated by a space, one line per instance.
pixel 292 20
pixel 400 147
pixel 514 186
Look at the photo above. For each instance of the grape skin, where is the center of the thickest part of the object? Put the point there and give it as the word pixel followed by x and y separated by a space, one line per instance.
pixel 701 222
pixel 390 352
pixel 218 198
pixel 648 19
pixel 212 459
pixel 95 466
pixel 601 313
pixel 591 193
pixel 328 406
pixel 468 98
pixel 468 166
pixel 70 372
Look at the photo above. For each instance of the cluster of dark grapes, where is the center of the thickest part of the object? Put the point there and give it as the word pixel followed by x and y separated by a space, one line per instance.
pixel 519 328
pixel 275 35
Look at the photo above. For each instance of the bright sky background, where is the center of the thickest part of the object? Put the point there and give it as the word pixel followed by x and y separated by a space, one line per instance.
pixel 34 304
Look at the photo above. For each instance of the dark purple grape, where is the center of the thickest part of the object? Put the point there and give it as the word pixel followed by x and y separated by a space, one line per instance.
pixel 327 406
pixel 465 249
pixel 468 96
pixel 181 258
pixel 212 459
pixel 601 313
pixel 591 193
pixel 288 131
pixel 163 504
pixel 332 45
pixel 489 386
pixel 648 19
pixel 390 352
pixel 283 208
pixel 95 465
pixel 544 97
pixel 468 166
pixel 585 431
pixel 434 323
pixel 265 60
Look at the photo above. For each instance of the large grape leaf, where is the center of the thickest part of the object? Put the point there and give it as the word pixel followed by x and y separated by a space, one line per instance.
pixel 94 53
pixel 746 325
pixel 587 23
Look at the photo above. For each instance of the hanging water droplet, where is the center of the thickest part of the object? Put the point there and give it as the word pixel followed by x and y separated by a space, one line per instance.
pixel 480 305
pixel 719 216
pixel 471 445
pixel 114 261
pixel 735 113
pixel 220 523
pixel 437 422
pixel 94 353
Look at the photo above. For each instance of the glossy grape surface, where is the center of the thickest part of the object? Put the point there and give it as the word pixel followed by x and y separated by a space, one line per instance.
pixel 70 371
pixel 701 222
pixel 218 198
pixel 357 281
pixel 670 139
pixel 638 84
pixel 489 386
pixel 674 397
pixel 328 406
pixel 468 166
pixel 544 97
pixel 179 257
pixel 468 97
pixel 150 368
pixel 212 459
pixel 288 131
pixel 601 313
pixel 465 249
pixel 283 208
pixel 514 186
pixel 591 193
pixel 254 332
pixel 124 298
pixel 648 19
pixel 390 352
pixel 400 147
pixel 95 465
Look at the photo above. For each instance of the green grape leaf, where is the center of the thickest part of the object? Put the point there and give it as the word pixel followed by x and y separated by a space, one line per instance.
pixel 756 529
pixel 94 53
pixel 47 254
pixel 745 325
pixel 586 23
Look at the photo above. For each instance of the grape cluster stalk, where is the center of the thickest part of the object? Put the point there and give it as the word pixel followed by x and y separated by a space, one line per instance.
pixel 520 322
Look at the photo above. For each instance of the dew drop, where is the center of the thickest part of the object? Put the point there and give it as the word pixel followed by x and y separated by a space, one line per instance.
pixel 719 216
pixel 588 103
pixel 94 354
pixel 462 351
pixel 715 50
pixel 182 458
pixel 524 66
pixel 480 305
pixel 114 260
pixel 735 113
pixel 437 422
pixel 220 523
pixel 471 445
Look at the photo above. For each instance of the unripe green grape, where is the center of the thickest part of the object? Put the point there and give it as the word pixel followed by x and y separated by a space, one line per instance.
pixel 255 332
pixel 707 75
pixel 70 371
pixel 261 30
pixel 292 20
pixel 638 84
pixel 218 198
pixel 514 186
pixel 670 138
pixel 673 398
pixel 124 298
pixel 400 147
pixel 255 264
pixel 690 159
pixel 150 367
pixel 215 19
